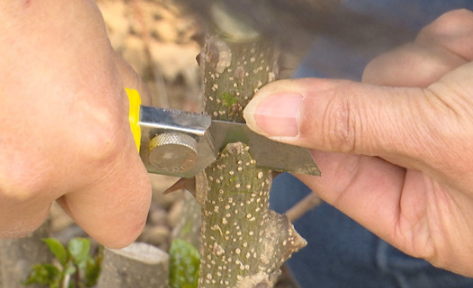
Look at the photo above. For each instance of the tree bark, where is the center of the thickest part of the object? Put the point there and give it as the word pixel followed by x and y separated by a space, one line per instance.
pixel 139 265
pixel 244 244
pixel 18 256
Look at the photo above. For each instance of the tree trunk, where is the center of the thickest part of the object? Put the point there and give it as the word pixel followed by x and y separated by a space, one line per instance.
pixel 18 256
pixel 139 265
pixel 244 244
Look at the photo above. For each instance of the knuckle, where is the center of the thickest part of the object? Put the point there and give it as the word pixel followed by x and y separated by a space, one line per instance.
pixel 100 144
pixel 102 138
pixel 339 123
pixel 21 186
pixel 19 182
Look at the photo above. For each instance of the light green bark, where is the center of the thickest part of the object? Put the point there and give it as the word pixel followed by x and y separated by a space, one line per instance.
pixel 244 244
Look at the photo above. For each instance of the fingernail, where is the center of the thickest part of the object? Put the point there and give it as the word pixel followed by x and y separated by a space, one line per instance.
pixel 274 115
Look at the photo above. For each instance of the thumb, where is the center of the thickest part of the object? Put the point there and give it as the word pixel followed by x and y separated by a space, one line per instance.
pixel 342 116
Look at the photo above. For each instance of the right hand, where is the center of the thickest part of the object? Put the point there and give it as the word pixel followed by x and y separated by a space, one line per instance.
pixel 398 159
pixel 64 131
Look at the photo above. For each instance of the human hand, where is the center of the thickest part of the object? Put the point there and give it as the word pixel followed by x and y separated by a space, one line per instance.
pixel 399 159
pixel 64 131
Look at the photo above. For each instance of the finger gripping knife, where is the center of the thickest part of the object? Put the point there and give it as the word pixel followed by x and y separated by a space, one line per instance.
pixel 178 143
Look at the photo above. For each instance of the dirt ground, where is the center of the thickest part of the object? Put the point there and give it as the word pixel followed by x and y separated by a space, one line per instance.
pixel 160 41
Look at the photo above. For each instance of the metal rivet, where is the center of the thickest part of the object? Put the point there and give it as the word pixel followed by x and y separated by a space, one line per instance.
pixel 173 152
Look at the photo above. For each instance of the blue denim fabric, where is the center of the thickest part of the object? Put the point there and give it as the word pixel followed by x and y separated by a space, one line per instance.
pixel 340 252
pixel 330 58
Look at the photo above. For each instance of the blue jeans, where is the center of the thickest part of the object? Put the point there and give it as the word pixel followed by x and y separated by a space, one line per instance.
pixel 334 59
pixel 342 254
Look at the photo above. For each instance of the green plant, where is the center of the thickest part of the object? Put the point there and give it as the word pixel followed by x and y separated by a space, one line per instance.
pixel 74 267
pixel 184 261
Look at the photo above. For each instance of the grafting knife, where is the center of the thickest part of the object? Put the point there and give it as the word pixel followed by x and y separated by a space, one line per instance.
pixel 178 143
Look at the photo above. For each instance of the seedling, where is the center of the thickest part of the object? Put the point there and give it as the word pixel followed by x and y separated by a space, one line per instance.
pixel 184 261
pixel 73 267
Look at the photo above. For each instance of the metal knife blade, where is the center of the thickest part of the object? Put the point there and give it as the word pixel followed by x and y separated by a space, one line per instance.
pixel 267 153
pixel 182 144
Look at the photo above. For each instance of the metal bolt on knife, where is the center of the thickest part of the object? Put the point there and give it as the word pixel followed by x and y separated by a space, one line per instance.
pixel 173 152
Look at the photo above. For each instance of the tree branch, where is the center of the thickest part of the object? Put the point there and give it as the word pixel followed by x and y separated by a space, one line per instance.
pixel 244 244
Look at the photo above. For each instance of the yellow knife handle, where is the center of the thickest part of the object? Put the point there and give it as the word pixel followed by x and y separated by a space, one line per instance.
pixel 134 116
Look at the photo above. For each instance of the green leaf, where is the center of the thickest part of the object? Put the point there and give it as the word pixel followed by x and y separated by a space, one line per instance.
pixel 79 248
pixel 184 261
pixel 45 274
pixel 57 249
pixel 93 269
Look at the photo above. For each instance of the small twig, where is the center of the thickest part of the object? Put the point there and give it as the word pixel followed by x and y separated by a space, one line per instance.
pixel 65 281
pixel 77 275
pixel 308 203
